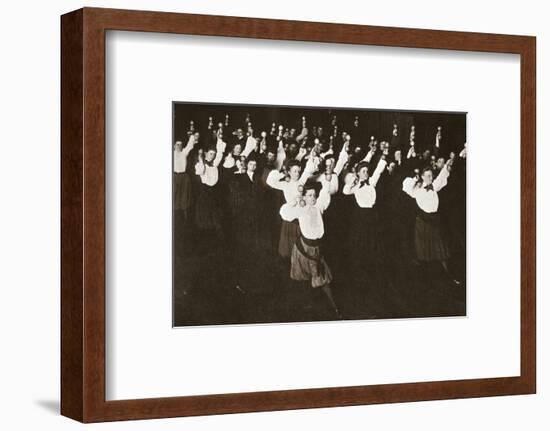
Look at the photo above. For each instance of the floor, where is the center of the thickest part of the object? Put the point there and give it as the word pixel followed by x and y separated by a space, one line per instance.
pixel 206 293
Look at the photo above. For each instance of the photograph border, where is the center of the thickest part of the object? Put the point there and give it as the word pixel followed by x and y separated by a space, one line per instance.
pixel 83 384
pixel 252 106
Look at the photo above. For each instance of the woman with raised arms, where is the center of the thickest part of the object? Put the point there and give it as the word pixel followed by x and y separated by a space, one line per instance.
pixel 429 244
pixel 307 261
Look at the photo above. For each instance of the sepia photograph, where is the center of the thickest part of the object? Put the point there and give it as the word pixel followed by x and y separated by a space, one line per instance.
pixel 304 214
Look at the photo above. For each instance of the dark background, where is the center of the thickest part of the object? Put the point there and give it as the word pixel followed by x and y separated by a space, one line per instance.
pixel 377 123
pixel 202 290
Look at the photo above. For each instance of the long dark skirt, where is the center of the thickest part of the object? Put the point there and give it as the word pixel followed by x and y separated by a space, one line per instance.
pixel 208 214
pixel 364 238
pixel 429 244
pixel 269 230
pixel 290 231
pixel 307 263
pixel 182 192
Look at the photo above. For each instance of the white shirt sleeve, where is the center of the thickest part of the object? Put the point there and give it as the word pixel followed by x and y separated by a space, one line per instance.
pixel 200 168
pixel 249 146
pixel 289 212
pixel 274 178
pixel 368 157
pixel 229 161
pixel 349 184
pixel 342 160
pixel 190 144
pixel 373 180
pixel 308 171
pixel 332 185
pixel 281 156
pixel 409 186
pixel 220 148
pixel 324 198
pixel 441 180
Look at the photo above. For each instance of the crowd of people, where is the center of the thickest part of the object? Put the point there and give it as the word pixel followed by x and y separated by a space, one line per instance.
pixel 317 201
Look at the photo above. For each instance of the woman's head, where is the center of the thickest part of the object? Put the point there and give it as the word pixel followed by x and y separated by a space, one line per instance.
pixel 292 149
pixel 427 176
pixel 210 154
pixel 237 149
pixel 294 170
pixel 362 171
pixel 263 146
pixel 251 165
pixel 329 164
pixel 270 156
pixel 311 193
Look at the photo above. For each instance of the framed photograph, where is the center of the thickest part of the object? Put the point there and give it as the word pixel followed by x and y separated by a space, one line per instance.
pixel 267 215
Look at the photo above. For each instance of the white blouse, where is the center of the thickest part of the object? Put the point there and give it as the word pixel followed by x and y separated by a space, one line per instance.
pixel 426 198
pixel 209 174
pixel 180 157
pixel 310 218
pixel 291 189
pixel 331 185
pixel 180 161
pixel 365 195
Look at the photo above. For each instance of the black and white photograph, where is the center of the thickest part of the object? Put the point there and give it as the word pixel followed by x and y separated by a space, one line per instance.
pixel 302 214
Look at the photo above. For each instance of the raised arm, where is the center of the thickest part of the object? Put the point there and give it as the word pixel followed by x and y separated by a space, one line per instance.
pixel 311 167
pixel 189 146
pixel 373 180
pixel 350 183
pixel 200 167
pixel 332 184
pixel 274 178
pixel 343 158
pixel 281 155
pixel 301 153
pixel 411 153
pixel 409 186
pixel 326 153
pixel 462 154
pixel 250 146
pixel 323 201
pixel 220 148
pixel 441 180
pixel 290 211
pixel 369 155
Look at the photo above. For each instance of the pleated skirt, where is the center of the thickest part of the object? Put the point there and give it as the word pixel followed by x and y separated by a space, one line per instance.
pixel 290 231
pixel 208 213
pixel 182 191
pixel 429 244
pixel 364 241
pixel 307 263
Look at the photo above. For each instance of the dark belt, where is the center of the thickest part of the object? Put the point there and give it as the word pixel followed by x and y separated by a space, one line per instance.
pixel 427 216
pixel 292 222
pixel 311 243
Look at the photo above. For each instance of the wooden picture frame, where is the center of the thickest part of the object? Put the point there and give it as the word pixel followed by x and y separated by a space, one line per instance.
pixel 83 214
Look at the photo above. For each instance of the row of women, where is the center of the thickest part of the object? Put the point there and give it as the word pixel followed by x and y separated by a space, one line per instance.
pixel 357 208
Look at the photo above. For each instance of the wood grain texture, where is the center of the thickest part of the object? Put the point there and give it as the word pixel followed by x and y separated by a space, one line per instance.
pixel 83 214
pixel 72 305
pixel 528 216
